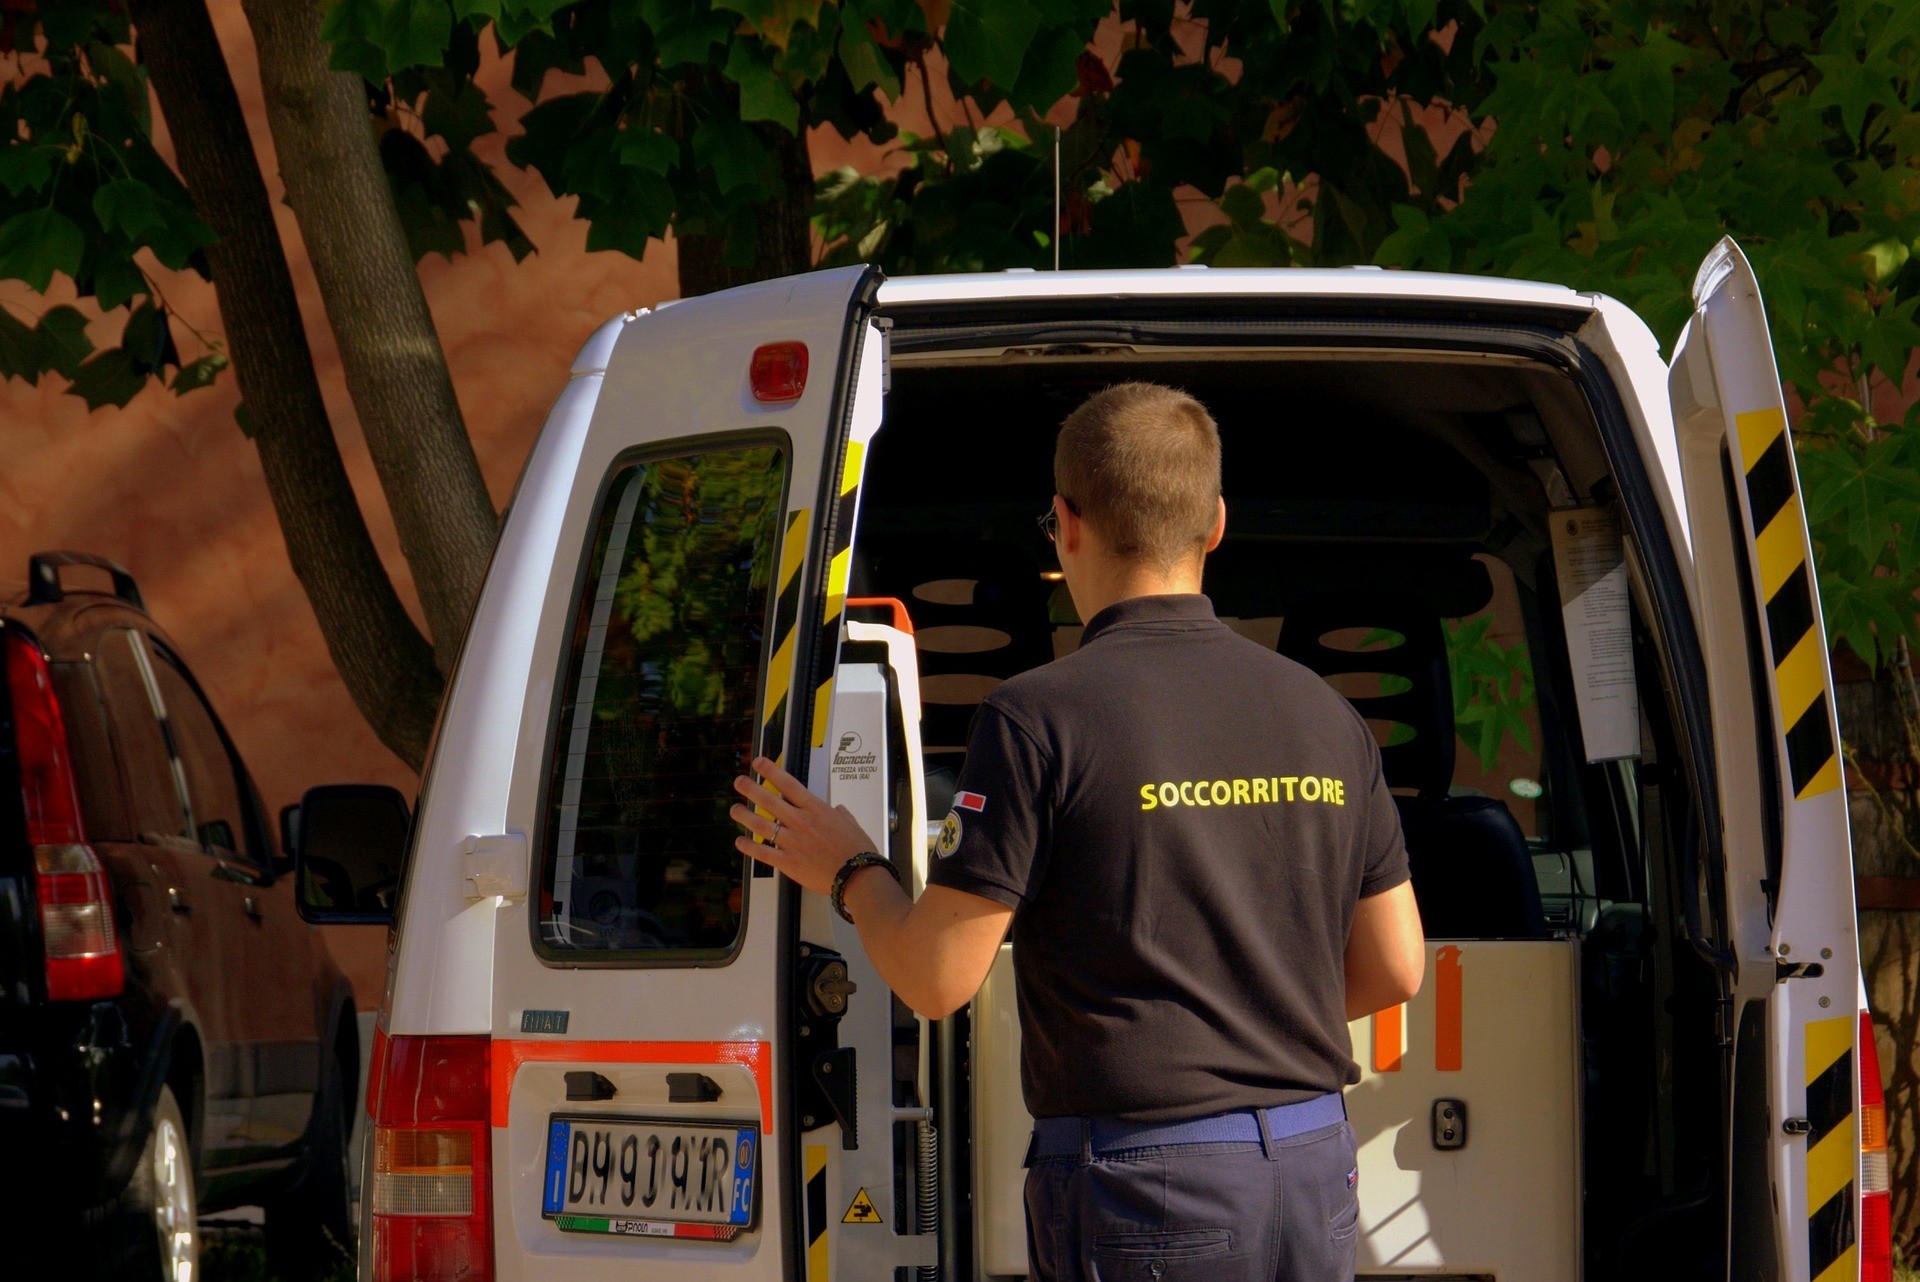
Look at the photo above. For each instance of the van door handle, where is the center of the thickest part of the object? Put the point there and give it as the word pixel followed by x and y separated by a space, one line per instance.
pixel 176 902
pixel 251 907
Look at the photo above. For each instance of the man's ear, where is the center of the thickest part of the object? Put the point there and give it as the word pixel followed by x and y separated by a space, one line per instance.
pixel 1219 525
pixel 1072 529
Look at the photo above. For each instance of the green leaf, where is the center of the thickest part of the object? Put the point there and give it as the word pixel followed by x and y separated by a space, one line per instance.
pixel 865 65
pixel 127 204
pixel 116 281
pixel 456 109
pixel 733 155
pixel 22 355
pixel 25 166
pixel 148 340
pixel 353 29
pixel 1866 492
pixel 644 149
pixel 1049 73
pixel 415 33
pixel 987 40
pixel 38 243
pixel 109 377
pixel 62 339
pixel 763 95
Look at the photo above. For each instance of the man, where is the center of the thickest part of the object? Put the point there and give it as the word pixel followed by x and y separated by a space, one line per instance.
pixel 1203 870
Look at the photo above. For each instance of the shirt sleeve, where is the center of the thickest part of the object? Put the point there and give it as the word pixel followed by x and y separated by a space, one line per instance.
pixel 1384 863
pixel 993 841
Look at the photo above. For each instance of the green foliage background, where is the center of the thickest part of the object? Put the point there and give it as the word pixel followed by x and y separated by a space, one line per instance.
pixel 1605 144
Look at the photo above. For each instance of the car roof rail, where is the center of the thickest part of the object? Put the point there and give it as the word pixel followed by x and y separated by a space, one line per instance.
pixel 43 577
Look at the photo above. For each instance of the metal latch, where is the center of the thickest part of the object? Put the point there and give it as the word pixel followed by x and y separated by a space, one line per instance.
pixel 1797 1126
pixel 494 865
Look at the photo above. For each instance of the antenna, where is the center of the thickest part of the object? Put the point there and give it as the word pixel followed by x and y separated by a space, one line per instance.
pixel 1056 198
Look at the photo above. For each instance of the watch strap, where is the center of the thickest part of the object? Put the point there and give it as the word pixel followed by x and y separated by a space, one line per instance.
pixel 865 859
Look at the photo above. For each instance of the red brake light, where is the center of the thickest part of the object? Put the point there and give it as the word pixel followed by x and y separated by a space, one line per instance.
pixel 432 1153
pixel 76 906
pixel 1876 1219
pixel 778 372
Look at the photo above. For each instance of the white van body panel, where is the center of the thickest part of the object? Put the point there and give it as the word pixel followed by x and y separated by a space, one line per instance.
pixel 1341 282
pixel 1780 770
pixel 440 974
pixel 1631 354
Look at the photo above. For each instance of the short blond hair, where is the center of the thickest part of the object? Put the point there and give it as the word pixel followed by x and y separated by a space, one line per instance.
pixel 1141 463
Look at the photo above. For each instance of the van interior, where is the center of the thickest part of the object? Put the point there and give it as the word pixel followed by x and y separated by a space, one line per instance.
pixel 1389 526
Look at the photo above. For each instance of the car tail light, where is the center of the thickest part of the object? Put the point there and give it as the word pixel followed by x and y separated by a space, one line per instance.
pixel 76 906
pixel 432 1153
pixel 778 372
pixel 1876 1219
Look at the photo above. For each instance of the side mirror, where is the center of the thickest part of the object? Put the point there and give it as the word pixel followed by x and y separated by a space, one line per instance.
pixel 349 851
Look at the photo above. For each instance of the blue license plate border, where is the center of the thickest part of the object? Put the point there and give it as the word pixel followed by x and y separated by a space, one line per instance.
pixel 743 1211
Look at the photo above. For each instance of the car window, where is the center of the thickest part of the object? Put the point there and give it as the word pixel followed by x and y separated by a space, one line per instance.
pixel 658 706
pixel 154 794
pixel 213 778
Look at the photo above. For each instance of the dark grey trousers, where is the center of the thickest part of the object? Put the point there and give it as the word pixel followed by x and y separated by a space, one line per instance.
pixel 1287 1211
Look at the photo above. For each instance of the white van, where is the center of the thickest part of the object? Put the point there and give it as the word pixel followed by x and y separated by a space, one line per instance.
pixel 1568 583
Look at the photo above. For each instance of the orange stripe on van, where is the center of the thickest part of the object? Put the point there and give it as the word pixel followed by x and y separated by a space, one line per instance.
pixel 1448 1033
pixel 508 1056
pixel 1388 1042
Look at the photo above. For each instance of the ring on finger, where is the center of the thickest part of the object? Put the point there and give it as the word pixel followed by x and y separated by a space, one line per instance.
pixel 774 838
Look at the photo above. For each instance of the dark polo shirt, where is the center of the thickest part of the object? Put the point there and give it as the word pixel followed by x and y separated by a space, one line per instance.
pixel 1182 821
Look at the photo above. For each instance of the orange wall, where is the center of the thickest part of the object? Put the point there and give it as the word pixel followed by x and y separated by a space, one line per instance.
pixel 170 488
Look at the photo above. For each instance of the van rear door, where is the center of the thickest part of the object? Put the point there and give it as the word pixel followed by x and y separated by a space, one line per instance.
pixel 641 1034
pixel 1783 806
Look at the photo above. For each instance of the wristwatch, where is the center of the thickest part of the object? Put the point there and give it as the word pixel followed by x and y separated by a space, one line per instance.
pixel 865 859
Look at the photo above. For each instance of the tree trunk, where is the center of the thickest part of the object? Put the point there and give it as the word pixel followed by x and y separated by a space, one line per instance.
pixel 386 664
pixel 784 243
pixel 389 351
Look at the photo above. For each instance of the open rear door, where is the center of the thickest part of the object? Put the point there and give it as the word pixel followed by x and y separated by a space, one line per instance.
pixel 1788 863
pixel 641 1078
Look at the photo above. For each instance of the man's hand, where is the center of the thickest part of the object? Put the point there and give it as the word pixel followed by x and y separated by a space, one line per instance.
pixel 805 838
pixel 933 954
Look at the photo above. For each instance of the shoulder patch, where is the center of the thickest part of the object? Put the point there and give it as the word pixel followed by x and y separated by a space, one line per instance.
pixel 973 801
pixel 950 832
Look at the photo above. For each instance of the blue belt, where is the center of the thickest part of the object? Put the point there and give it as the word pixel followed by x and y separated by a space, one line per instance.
pixel 1070 1136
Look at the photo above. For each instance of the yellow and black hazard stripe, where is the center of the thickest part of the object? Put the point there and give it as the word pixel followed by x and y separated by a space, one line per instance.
pixel 839 572
pixel 816 1213
pixel 1833 1150
pixel 1786 586
pixel 786 618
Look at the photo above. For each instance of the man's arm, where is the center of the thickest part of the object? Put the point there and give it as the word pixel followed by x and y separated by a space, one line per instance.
pixel 1386 953
pixel 933 954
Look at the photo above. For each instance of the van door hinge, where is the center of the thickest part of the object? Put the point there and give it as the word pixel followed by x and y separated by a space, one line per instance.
pixel 494 865
pixel 825 1092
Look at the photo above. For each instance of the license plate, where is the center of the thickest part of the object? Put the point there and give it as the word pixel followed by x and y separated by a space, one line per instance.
pixel 647 1178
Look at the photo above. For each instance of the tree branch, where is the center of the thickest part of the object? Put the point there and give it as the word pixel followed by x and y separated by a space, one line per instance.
pixel 389 350
pixel 386 664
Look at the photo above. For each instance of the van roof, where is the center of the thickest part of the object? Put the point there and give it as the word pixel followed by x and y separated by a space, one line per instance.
pixel 1175 282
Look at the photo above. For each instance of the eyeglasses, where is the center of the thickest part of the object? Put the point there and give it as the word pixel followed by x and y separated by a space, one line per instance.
pixel 1049 520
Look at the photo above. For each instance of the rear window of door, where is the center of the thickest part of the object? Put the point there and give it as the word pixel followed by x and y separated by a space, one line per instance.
pixel 154 794
pixel 657 709
pixel 213 778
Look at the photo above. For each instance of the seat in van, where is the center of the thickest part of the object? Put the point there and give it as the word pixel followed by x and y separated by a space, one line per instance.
pixel 979 611
pixel 1472 874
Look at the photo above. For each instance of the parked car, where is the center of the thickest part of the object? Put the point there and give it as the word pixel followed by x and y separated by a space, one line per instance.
pixel 174 1040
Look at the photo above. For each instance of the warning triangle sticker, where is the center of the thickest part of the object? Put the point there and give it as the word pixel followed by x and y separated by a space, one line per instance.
pixel 862 1211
